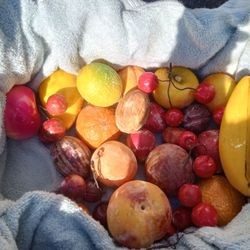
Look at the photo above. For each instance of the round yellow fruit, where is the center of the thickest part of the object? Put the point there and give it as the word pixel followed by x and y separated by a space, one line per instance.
pixel 99 84
pixel 167 94
pixel 62 83
pixel 224 85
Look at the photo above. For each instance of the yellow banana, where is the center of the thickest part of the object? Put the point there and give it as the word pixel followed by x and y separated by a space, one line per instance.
pixel 234 139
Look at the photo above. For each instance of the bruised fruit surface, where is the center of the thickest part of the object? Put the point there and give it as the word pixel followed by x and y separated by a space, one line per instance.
pixel 169 166
pixel 138 214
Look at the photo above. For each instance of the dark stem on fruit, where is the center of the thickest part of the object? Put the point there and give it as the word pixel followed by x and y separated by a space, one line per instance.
pixel 43 111
pixel 171 82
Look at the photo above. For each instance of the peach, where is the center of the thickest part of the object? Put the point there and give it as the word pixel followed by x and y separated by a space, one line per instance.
pixel 138 214
pixel 130 76
pixel 224 85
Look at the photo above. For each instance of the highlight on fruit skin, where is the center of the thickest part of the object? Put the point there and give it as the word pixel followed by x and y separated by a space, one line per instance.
pixel 62 83
pixel 180 92
pixel 99 84
pixel 138 214
pixel 234 137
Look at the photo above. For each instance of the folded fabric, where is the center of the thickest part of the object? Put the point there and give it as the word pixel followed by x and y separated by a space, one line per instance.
pixel 37 37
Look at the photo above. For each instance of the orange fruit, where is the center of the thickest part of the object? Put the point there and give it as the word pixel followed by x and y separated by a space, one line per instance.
pixel 114 163
pixel 218 192
pixel 95 125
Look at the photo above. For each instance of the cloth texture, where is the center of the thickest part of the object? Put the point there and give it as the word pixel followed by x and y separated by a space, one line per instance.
pixel 39 36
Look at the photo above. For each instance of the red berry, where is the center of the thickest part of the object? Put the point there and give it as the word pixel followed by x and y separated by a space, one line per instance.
pixel 182 218
pixel 73 186
pixel 204 93
pixel 187 140
pixel 189 195
pixel 56 104
pixel 141 143
pixel 218 114
pixel 52 130
pixel 174 117
pixel 204 215
pixel 100 212
pixel 172 134
pixel 155 122
pixel 92 192
pixel 148 82
pixel 204 166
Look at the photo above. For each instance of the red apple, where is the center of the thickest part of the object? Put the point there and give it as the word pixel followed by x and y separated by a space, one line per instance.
pixel 21 117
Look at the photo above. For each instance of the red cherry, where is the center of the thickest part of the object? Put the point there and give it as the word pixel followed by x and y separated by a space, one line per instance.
pixel 155 122
pixel 174 117
pixel 148 82
pixel 182 218
pixel 187 140
pixel 92 192
pixel 204 166
pixel 204 93
pixel 52 130
pixel 141 142
pixel 218 114
pixel 73 186
pixel 100 212
pixel 56 104
pixel 189 195
pixel 204 215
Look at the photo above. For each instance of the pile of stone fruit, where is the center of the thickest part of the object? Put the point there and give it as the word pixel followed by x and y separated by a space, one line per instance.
pixel 147 154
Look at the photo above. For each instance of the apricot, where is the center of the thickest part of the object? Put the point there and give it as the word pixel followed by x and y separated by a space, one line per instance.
pixel 130 76
pixel 114 163
pixel 138 214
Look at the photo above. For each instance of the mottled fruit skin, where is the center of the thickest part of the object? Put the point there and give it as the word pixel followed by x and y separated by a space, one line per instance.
pixel 73 186
pixel 182 218
pixel 92 192
pixel 155 121
pixel 204 166
pixel 138 214
pixel 169 167
pixel 71 156
pixel 141 143
pixel 172 134
pixel 205 93
pixel 56 104
pixel 148 82
pixel 21 117
pixel 196 118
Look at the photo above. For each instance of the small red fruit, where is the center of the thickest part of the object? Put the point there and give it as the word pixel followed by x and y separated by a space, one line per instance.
pixel 141 143
pixel 155 122
pixel 218 114
pixel 189 195
pixel 52 130
pixel 204 215
pixel 56 104
pixel 173 117
pixel 100 212
pixel 73 186
pixel 92 192
pixel 148 82
pixel 187 140
pixel 204 166
pixel 204 93
pixel 172 134
pixel 182 218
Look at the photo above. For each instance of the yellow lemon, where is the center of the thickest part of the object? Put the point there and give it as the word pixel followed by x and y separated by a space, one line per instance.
pixel 99 84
